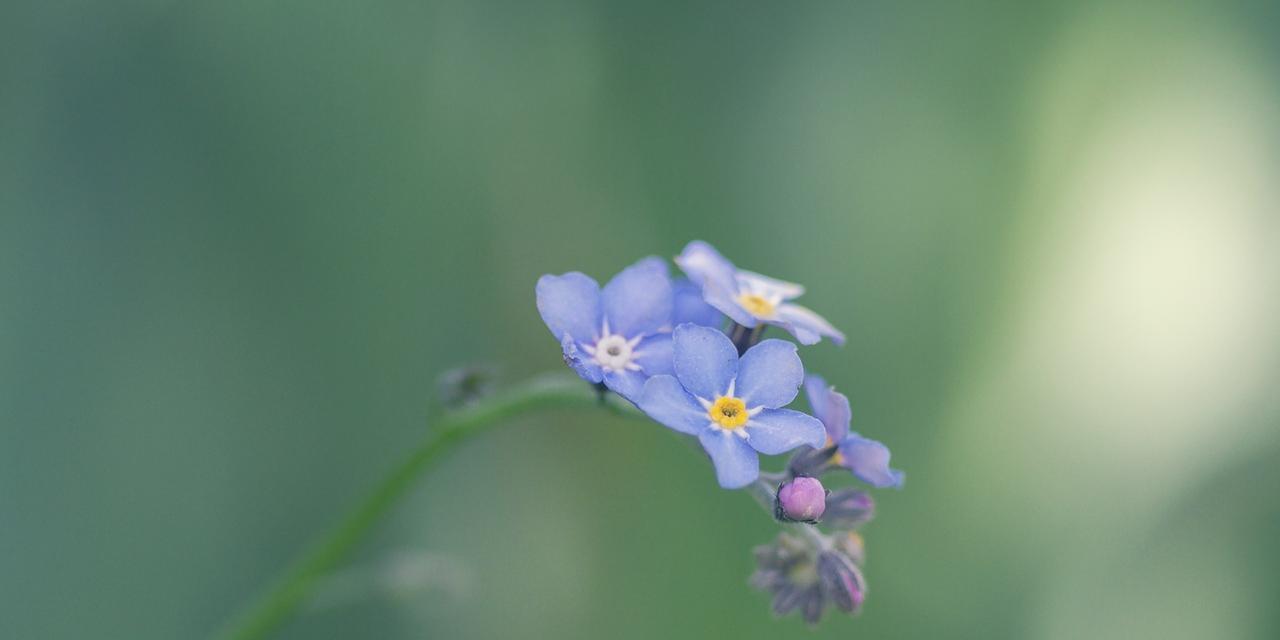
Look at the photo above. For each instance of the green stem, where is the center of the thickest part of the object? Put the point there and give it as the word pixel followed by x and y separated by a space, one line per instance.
pixel 276 605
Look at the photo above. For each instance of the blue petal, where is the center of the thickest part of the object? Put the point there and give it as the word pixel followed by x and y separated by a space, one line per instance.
pixel 628 384
pixel 688 306
pixel 775 431
pixel 767 287
pixel 807 326
pixel 717 277
pixel 726 303
pixel 570 304
pixel 737 465
pixel 869 461
pixel 830 407
pixel 705 266
pixel 769 374
pixel 580 362
pixel 637 301
pixel 654 355
pixel 667 402
pixel 705 360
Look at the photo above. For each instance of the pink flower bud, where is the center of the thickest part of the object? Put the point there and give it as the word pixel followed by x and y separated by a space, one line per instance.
pixel 802 499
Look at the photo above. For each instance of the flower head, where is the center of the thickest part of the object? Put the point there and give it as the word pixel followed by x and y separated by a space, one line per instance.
pixel 614 335
pixel 750 298
pixel 805 577
pixel 733 405
pixel 866 458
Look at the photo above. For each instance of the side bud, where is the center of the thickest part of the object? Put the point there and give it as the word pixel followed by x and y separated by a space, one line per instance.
pixel 800 499
pixel 849 509
pixel 811 462
pixel 841 581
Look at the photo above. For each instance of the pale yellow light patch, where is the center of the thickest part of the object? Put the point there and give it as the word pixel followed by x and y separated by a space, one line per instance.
pixel 756 305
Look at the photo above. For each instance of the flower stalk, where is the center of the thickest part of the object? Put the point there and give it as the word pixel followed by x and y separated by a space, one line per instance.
pixel 545 392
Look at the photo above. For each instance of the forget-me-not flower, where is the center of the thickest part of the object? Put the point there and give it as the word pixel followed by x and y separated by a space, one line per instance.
pixel 750 298
pixel 866 458
pixel 733 405
pixel 618 335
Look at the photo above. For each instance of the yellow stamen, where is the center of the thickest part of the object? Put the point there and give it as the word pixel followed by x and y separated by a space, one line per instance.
pixel 837 458
pixel 728 412
pixel 756 305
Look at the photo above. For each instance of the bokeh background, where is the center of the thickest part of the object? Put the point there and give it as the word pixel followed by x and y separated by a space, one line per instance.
pixel 240 240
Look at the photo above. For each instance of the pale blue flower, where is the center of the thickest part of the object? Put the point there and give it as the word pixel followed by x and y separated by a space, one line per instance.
pixel 733 405
pixel 866 458
pixel 750 298
pixel 618 335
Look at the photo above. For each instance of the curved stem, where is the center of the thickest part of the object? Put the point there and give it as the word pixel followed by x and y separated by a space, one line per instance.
pixel 277 604
pixel 763 491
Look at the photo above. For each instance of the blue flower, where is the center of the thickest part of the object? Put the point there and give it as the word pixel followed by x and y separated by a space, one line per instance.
pixel 866 458
pixel 618 335
pixel 733 405
pixel 750 298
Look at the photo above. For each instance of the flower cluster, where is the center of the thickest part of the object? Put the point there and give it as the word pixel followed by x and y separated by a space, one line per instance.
pixel 690 354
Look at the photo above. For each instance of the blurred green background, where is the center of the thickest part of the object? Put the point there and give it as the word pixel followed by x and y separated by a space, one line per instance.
pixel 240 240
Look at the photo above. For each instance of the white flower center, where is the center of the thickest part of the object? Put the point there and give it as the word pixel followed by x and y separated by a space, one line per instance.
pixel 613 352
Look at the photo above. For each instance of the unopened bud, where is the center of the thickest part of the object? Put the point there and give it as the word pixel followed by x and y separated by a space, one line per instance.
pixel 811 462
pixel 841 581
pixel 801 499
pixel 849 508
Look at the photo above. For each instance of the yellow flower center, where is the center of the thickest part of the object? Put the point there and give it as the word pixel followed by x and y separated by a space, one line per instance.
pixel 837 458
pixel 728 412
pixel 756 305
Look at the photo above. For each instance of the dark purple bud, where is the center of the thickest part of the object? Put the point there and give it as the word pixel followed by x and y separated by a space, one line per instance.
pixel 849 508
pixel 811 462
pixel 841 581
pixel 801 499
